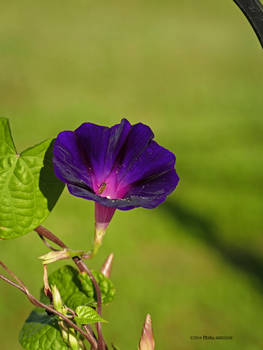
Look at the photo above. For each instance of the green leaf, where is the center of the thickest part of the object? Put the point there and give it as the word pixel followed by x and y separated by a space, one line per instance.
pixel 66 280
pixel 77 299
pixel 106 286
pixel 87 315
pixel 41 332
pixel 77 289
pixel 29 188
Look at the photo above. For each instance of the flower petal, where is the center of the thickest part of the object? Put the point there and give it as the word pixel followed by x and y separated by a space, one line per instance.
pixel 69 163
pixel 154 190
pixel 153 161
pixel 137 141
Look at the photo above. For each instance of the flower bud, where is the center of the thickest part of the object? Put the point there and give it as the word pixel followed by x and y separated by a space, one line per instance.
pixel 47 289
pixel 106 267
pixel 57 301
pixel 63 330
pixel 73 342
pixel 147 340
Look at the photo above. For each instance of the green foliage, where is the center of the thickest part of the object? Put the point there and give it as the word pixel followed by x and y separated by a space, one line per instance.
pixel 41 332
pixel 87 315
pixel 106 286
pixel 29 187
pixel 76 288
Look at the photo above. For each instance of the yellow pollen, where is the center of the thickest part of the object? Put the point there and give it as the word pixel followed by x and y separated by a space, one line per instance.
pixel 102 188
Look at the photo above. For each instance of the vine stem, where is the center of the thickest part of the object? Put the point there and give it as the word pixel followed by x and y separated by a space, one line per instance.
pixel 83 268
pixel 21 286
pixel 44 232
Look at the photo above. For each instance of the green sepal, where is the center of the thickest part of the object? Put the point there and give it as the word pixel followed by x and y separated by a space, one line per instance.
pixel 29 188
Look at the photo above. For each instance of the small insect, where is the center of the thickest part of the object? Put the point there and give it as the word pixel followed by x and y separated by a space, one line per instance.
pixel 102 188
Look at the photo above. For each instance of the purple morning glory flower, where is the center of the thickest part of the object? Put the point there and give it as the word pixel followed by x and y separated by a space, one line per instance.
pixel 119 167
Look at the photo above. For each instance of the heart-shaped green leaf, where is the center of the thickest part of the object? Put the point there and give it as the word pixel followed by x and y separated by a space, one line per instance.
pixel 87 315
pixel 41 332
pixel 29 188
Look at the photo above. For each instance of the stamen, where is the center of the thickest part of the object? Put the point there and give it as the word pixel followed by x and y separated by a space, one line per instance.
pixel 102 188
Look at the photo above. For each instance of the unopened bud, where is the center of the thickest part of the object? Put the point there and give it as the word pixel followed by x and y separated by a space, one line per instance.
pixel 106 267
pixel 64 332
pixel 69 337
pixel 73 342
pixel 57 301
pixel 147 340
pixel 47 289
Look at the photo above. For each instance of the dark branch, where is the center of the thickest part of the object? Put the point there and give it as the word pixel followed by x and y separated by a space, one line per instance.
pixel 253 10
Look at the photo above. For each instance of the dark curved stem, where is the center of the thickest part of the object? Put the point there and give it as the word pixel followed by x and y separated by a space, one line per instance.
pixel 84 268
pixel 12 283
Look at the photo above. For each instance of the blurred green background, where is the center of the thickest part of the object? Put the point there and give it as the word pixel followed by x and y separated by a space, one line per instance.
pixel 192 70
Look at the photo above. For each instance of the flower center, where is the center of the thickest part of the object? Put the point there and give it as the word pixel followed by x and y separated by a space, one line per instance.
pixel 109 188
